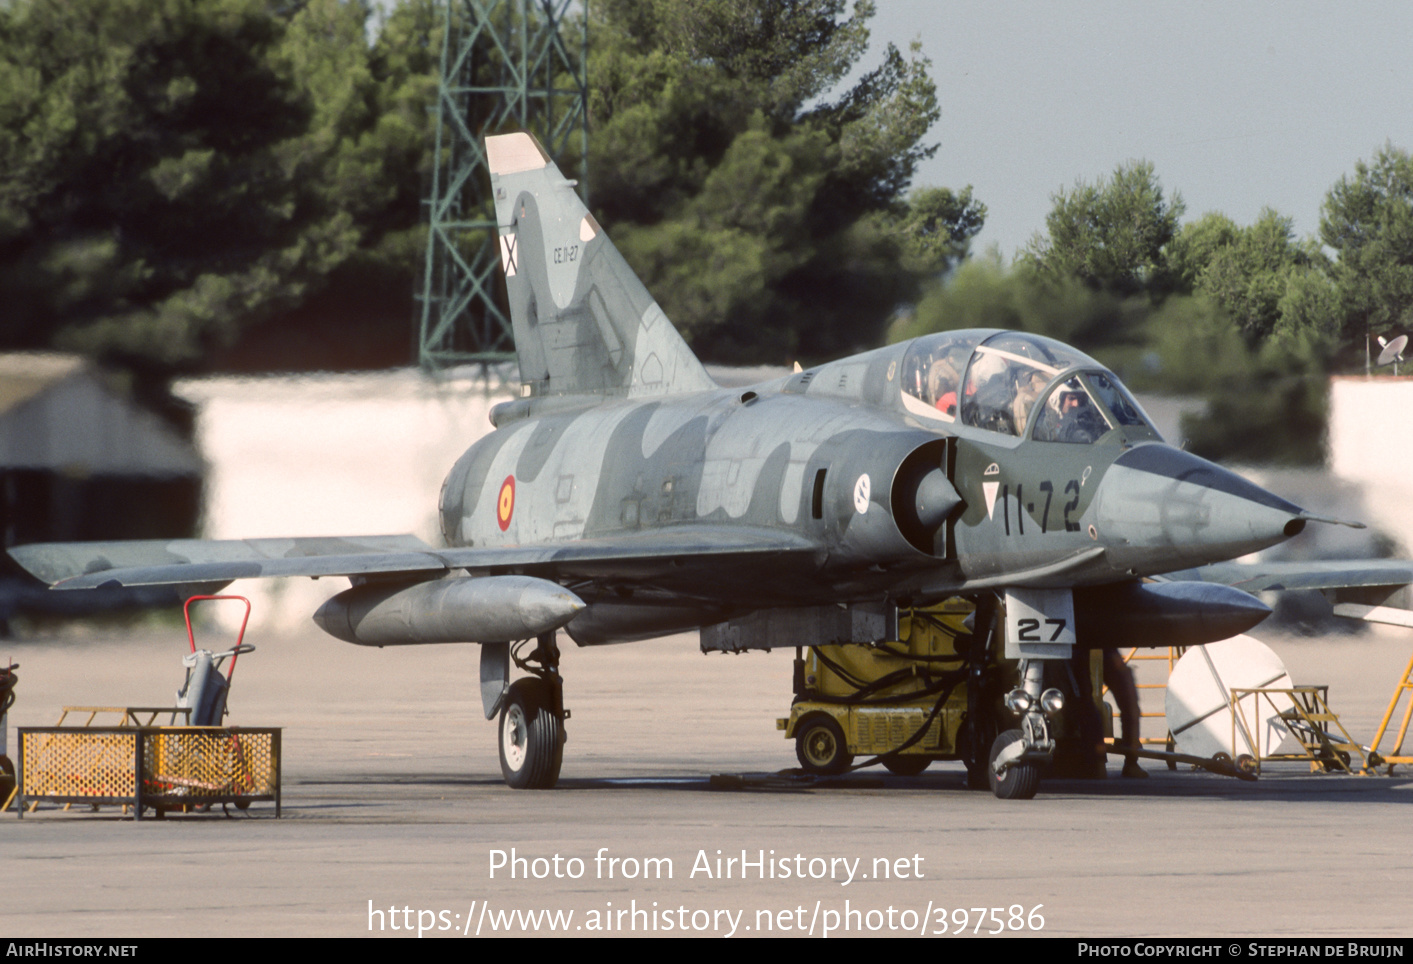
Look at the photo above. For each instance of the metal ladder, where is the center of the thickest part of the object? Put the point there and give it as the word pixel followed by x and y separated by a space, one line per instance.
pixel 1392 758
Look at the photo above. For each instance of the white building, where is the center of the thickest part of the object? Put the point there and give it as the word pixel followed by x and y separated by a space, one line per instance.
pixel 325 455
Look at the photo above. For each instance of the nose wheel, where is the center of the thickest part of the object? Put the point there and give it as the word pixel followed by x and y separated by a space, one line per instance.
pixel 1011 779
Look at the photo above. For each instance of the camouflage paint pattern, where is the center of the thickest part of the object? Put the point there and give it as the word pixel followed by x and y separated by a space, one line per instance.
pixel 954 463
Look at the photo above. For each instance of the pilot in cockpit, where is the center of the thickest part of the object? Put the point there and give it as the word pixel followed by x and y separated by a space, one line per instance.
pixel 1031 384
pixel 1079 422
pixel 942 382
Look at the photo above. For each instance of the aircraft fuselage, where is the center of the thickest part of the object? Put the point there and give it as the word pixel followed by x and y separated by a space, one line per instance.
pixel 900 504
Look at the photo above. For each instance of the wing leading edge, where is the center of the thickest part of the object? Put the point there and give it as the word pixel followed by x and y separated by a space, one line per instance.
pixel 1287 576
pixel 90 565
pixel 1374 590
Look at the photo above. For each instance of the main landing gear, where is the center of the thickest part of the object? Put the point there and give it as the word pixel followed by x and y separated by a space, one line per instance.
pixel 532 719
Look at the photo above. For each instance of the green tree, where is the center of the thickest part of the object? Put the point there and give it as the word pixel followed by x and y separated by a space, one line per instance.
pixel 983 293
pixel 1247 272
pixel 1368 221
pixel 367 156
pixel 180 170
pixel 1309 310
pixel 1251 331
pixel 152 195
pixel 939 226
pixel 1269 406
pixel 1110 234
pixel 1195 245
pixel 767 218
pixel 1265 392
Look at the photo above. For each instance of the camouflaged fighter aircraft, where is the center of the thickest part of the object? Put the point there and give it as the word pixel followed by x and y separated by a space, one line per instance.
pixel 625 495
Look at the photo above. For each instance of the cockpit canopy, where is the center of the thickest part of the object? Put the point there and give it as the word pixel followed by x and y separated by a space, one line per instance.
pixel 1017 384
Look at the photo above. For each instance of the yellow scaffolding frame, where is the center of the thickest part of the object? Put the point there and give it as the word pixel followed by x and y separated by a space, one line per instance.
pixel 128 716
pixel 1308 719
pixel 1405 684
pixel 164 768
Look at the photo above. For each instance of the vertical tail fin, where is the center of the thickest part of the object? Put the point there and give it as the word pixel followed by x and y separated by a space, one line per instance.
pixel 583 321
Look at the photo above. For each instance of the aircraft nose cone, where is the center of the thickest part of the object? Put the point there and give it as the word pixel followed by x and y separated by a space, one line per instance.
pixel 1159 508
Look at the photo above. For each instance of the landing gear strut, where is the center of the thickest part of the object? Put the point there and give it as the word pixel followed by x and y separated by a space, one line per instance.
pixel 978 729
pixel 1006 759
pixel 1018 755
pixel 532 720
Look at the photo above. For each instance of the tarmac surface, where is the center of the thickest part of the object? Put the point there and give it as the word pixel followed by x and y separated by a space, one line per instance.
pixel 395 815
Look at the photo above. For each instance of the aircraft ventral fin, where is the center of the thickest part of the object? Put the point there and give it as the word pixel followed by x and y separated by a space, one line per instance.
pixel 89 565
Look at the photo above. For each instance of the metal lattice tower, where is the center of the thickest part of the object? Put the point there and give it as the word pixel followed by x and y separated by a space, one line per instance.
pixel 505 66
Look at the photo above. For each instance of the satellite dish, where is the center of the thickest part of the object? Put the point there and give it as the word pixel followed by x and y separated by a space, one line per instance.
pixel 1392 352
pixel 1199 699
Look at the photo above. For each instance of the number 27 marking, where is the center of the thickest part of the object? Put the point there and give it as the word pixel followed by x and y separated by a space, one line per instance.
pixel 1029 630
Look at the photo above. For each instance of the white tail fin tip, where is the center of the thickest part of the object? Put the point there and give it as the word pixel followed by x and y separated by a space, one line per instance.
pixel 513 153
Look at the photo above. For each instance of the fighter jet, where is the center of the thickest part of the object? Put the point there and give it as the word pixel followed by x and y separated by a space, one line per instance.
pixel 624 495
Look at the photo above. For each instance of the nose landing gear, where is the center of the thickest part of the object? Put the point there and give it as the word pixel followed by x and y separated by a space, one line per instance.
pixel 1019 755
pixel 1010 778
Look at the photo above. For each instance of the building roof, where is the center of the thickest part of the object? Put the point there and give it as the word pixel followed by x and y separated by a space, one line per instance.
pixel 57 413
pixel 25 374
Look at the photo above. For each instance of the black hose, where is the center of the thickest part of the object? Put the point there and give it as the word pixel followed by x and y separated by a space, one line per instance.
pixel 863 690
pixel 921 731
pixel 918 657
pixel 941 685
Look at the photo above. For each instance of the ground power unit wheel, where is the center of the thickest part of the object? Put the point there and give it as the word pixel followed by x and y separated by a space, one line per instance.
pixel 820 745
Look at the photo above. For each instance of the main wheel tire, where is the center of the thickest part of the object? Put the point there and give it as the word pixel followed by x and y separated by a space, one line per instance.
pixel 1018 782
pixel 906 766
pixel 820 745
pixel 531 737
